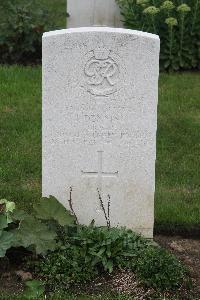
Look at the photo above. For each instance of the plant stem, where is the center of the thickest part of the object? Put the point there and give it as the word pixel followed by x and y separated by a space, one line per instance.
pixel 194 16
pixel 103 208
pixel 182 31
pixel 109 211
pixel 171 42
pixel 71 205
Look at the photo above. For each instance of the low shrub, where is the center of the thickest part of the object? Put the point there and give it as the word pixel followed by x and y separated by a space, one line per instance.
pixel 94 250
pixel 157 268
pixel 86 252
pixel 69 253
pixel 107 248
pixel 177 24
pixel 21 33
pixel 63 267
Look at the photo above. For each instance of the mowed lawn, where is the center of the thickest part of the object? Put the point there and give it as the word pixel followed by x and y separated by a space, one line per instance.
pixel 177 199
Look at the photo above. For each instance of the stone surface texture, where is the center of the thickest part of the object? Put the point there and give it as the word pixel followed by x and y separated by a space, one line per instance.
pixel 93 13
pixel 100 90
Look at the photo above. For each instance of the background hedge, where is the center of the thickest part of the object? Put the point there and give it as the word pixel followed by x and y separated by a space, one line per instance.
pixel 177 24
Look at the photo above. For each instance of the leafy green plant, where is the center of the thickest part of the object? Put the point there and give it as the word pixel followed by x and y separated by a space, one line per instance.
pixel 63 267
pixel 6 238
pixel 21 33
pixel 51 209
pixel 107 248
pixel 177 24
pixel 73 253
pixel 93 250
pixel 39 232
pixel 160 269
pixel 34 289
pixel 34 235
pixel 89 251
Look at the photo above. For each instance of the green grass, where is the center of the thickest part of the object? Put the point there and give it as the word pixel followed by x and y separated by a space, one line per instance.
pixel 20 134
pixel 178 140
pixel 177 170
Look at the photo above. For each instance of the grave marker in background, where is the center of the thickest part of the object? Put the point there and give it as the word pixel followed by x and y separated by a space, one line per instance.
pixel 99 123
pixel 84 13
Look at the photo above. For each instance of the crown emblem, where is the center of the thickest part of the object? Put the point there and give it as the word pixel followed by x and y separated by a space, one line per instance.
pixel 101 53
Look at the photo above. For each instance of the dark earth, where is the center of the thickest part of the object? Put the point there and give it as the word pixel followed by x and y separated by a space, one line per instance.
pixel 187 250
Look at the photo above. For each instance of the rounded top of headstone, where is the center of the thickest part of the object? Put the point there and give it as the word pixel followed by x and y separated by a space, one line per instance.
pixel 101 29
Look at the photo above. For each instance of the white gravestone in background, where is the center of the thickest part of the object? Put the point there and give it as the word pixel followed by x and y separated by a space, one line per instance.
pixel 99 123
pixel 84 13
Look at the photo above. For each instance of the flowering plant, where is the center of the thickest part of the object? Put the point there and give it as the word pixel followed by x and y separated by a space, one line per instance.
pixel 177 24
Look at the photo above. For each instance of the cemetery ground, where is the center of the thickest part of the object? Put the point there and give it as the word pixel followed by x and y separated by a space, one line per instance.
pixel 177 170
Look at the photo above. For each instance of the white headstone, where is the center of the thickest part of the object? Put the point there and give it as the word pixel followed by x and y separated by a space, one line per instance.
pixel 84 13
pixel 99 123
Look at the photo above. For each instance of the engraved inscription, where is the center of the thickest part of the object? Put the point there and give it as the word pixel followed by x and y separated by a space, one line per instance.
pixel 100 173
pixel 102 72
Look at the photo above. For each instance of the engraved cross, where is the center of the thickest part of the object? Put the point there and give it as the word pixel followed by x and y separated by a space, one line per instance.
pixel 100 174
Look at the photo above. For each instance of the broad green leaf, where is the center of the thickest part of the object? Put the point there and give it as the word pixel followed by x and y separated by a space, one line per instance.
pixel 3 221
pixel 10 206
pixel 51 208
pixel 101 251
pixel 127 254
pixel 19 215
pixel 32 232
pixel 109 266
pixel 34 289
pixel 108 251
pixel 6 239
